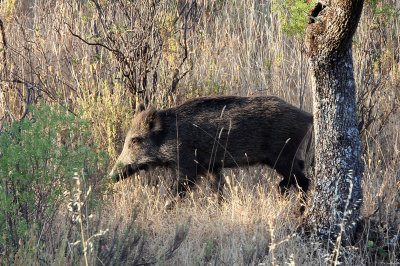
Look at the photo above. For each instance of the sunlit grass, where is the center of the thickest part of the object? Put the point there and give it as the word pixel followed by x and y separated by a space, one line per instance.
pixel 237 48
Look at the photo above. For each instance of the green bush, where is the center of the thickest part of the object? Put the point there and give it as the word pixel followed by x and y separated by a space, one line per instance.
pixel 39 156
pixel 293 15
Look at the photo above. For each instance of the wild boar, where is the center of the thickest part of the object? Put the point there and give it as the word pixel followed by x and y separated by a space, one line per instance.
pixel 204 135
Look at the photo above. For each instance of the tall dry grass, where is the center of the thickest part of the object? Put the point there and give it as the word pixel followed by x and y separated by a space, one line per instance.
pixel 235 47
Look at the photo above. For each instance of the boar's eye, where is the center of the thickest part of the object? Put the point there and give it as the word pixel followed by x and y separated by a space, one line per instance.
pixel 136 140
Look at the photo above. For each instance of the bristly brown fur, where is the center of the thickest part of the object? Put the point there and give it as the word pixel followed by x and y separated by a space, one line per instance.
pixel 204 135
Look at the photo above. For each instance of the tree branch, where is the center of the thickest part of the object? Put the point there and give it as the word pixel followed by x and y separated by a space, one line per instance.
pixel 4 41
pixel 116 52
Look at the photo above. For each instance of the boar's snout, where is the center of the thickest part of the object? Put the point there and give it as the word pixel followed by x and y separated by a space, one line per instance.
pixel 118 173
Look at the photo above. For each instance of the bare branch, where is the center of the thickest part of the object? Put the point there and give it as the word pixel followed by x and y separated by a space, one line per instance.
pixel 4 41
pixel 92 43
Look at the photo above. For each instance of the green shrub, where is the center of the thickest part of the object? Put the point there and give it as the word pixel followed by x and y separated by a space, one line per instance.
pixel 38 158
pixel 293 15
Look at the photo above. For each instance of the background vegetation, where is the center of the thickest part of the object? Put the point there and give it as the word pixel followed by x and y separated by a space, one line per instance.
pixel 98 60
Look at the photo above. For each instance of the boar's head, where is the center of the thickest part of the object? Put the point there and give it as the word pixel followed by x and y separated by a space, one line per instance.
pixel 141 148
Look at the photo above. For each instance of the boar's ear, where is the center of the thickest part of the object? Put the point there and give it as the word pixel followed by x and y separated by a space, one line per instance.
pixel 153 120
pixel 140 108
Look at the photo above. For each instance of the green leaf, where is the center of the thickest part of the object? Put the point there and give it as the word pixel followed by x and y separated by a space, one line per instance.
pixel 382 252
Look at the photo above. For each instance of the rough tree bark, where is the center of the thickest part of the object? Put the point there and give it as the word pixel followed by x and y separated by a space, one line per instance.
pixel 335 206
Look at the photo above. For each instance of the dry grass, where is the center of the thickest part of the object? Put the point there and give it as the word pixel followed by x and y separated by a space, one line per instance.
pixel 254 224
pixel 236 47
pixel 236 232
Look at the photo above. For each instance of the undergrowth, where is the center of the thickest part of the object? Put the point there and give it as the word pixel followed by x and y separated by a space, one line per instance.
pixel 196 48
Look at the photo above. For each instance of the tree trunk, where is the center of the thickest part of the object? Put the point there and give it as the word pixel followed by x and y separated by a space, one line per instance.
pixel 338 169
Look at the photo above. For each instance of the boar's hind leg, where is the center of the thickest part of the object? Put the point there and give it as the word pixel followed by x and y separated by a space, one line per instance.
pixel 292 175
pixel 300 178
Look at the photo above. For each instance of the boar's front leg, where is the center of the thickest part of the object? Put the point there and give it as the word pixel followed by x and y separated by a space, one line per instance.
pixel 217 184
pixel 182 184
pixel 186 180
pixel 216 179
pixel 185 184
